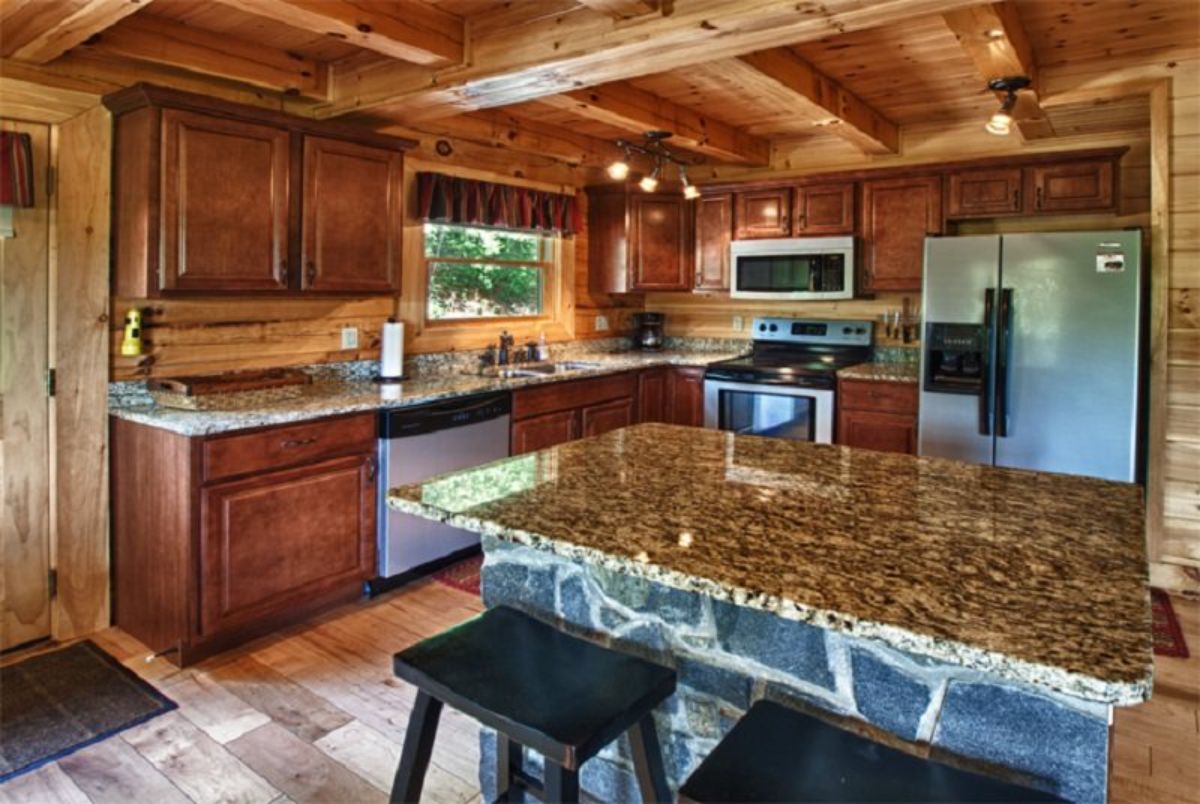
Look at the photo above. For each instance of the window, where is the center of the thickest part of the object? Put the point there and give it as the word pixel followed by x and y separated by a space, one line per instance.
pixel 485 273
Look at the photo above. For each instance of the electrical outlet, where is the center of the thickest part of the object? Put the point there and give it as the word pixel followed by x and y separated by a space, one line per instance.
pixel 602 323
pixel 349 337
pixel 737 323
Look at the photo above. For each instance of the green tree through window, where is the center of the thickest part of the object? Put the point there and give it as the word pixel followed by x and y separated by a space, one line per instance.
pixel 484 273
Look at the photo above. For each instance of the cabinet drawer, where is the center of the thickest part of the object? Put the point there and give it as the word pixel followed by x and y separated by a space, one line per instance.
pixel 565 395
pixel 288 445
pixel 886 397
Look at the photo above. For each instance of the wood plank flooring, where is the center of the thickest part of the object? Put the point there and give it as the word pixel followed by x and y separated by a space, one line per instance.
pixel 314 714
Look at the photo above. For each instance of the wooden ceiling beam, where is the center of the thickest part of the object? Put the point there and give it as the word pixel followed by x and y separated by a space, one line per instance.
pixel 636 111
pixel 578 48
pixel 622 9
pixel 994 38
pixel 409 30
pixel 39 31
pixel 780 77
pixel 160 41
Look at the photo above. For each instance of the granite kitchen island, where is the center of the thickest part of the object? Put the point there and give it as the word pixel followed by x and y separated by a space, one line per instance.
pixel 989 615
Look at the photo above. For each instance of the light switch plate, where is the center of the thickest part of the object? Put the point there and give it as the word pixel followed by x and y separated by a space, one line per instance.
pixel 737 323
pixel 349 337
pixel 602 323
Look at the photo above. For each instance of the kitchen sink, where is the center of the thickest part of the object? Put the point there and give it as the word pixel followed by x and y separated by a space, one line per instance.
pixel 537 369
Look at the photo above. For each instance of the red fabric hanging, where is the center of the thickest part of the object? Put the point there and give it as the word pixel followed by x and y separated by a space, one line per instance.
pixel 16 169
pixel 449 199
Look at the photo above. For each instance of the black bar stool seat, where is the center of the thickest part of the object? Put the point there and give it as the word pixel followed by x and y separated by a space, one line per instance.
pixel 778 754
pixel 538 687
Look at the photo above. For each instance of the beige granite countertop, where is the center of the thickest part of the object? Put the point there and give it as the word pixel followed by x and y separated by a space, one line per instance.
pixel 330 398
pixel 881 372
pixel 1038 578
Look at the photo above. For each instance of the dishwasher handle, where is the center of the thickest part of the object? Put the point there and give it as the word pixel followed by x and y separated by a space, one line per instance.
pixel 444 414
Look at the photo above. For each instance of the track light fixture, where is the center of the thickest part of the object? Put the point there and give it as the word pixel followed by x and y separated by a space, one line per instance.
pixel 660 157
pixel 1001 122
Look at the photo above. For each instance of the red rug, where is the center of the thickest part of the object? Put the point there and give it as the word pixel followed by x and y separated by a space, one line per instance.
pixel 1168 636
pixel 464 576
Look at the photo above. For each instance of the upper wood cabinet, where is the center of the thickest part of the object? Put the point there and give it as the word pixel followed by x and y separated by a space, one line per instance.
pixel 714 230
pixel 983 193
pixel 1071 186
pixel 213 197
pixel 763 213
pixel 352 217
pixel 638 241
pixel 897 214
pixel 824 209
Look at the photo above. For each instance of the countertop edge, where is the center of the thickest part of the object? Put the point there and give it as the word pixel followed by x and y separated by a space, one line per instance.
pixel 954 652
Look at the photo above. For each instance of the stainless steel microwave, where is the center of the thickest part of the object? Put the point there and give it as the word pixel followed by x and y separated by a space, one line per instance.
pixel 792 269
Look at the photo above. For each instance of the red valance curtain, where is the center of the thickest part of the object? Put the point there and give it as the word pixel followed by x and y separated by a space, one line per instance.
pixel 448 199
pixel 16 169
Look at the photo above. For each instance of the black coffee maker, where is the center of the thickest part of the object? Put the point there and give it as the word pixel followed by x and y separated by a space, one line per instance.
pixel 648 334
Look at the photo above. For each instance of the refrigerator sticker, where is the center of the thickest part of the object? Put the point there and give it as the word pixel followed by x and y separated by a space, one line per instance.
pixel 1110 259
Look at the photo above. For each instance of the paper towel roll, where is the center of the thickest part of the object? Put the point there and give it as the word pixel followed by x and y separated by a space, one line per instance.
pixel 391 361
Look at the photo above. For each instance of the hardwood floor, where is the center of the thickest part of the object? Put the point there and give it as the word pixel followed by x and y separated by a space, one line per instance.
pixel 315 714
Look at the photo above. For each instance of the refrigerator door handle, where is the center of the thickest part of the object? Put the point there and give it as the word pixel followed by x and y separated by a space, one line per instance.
pixel 1005 335
pixel 985 424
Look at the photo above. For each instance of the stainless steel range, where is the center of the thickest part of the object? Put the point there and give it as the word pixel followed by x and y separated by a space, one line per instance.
pixel 785 388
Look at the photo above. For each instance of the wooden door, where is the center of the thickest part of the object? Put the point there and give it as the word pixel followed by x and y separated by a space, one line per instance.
pixel 25 410
pixel 652 393
pixel 714 230
pixel 685 397
pixel 547 430
pixel 885 432
pixel 983 193
pixel 659 246
pixel 763 213
pixel 1072 187
pixel 271 541
pixel 353 217
pixel 825 209
pixel 612 415
pixel 225 204
pixel 897 214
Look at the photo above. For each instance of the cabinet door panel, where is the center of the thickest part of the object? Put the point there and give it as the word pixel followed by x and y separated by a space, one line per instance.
pixel 600 419
pixel 547 430
pixel 652 393
pixel 764 213
pixel 714 230
pixel 897 215
pixel 352 217
pixel 685 397
pixel 271 541
pixel 225 204
pixel 825 209
pixel 983 193
pixel 659 244
pixel 885 432
pixel 1072 187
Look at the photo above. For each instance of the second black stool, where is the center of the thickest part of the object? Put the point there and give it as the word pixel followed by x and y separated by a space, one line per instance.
pixel 538 687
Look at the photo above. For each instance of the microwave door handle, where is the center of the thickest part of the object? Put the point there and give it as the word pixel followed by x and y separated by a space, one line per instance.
pixel 985 424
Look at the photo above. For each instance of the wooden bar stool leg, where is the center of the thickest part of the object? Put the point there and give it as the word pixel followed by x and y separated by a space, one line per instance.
pixel 562 785
pixel 418 747
pixel 647 761
pixel 509 761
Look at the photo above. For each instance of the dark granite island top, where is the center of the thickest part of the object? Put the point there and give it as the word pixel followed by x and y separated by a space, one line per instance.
pixel 1028 577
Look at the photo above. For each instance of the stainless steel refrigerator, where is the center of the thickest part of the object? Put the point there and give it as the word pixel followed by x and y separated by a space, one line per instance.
pixel 1032 351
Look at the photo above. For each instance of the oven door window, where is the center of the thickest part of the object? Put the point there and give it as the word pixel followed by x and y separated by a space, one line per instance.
pixel 766 414
pixel 791 273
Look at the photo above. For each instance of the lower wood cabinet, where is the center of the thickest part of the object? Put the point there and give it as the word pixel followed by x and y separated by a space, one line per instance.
pixel 211 549
pixel 600 418
pixel 652 394
pixel 877 415
pixel 685 396
pixel 546 430
pixel 548 415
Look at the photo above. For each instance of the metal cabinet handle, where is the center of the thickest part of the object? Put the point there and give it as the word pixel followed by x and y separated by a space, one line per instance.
pixel 310 272
pixel 1016 198
pixel 371 469
pixel 293 443
pixel 1038 202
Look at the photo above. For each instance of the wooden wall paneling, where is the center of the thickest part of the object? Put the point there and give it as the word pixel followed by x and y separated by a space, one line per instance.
pixel 38 103
pixel 1160 257
pixel 80 358
pixel 24 406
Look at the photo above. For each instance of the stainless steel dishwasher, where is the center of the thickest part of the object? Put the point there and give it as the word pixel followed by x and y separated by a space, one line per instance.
pixel 416 443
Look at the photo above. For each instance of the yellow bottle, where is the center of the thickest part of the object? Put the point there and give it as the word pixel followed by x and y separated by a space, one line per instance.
pixel 131 344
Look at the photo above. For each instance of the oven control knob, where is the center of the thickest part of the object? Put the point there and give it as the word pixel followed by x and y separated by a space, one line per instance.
pixel 846 330
pixel 861 331
pixel 762 327
pixel 774 328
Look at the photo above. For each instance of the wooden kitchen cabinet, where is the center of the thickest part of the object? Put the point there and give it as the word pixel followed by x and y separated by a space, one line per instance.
pixel 603 417
pixel 824 209
pixel 685 396
pixel 1083 186
pixel 652 394
pixel 548 415
pixel 763 212
pixel 897 215
pixel 877 415
pixel 638 241
pixel 714 230
pixel 352 218
pixel 984 193
pixel 219 539
pixel 547 430
pixel 212 197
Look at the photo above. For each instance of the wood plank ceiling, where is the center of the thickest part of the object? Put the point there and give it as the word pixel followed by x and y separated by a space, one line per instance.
pixel 562 79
